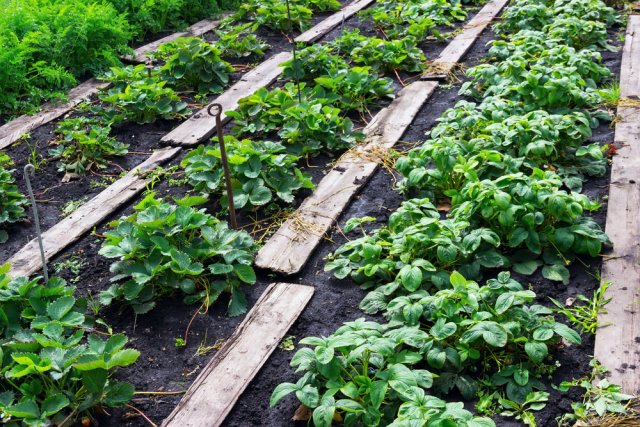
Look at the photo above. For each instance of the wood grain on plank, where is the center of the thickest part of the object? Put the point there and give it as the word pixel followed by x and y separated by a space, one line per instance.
pixel 197 29
pixel 617 344
pixel 449 58
pixel 201 125
pixel 291 246
pixel 220 384
pixel 332 21
pixel 27 260
pixel 13 130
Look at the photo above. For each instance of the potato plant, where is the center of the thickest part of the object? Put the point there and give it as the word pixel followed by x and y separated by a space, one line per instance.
pixel 163 249
pixel 55 367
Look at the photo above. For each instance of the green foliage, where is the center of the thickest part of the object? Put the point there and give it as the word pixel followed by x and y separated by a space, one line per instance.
pixel 85 145
pixel 307 127
pixel 54 368
pixel 357 87
pixel 163 248
pixel 238 41
pixel 414 18
pixel 382 55
pixel 313 61
pixel 47 44
pixel 192 63
pixel 273 13
pixel 585 314
pixel 139 96
pixel 260 171
pixel 12 202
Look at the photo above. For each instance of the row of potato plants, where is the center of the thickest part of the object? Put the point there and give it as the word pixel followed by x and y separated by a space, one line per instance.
pixel 55 363
pixel 272 131
pixel 509 168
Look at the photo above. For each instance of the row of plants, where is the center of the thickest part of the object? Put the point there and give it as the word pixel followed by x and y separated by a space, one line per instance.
pixel 496 186
pixel 273 130
pixel 47 45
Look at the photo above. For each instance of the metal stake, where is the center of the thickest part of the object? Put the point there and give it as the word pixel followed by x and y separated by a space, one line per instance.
pixel 30 169
pixel 225 164
pixel 295 59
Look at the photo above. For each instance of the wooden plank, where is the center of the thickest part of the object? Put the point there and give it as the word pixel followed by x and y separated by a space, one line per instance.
pixel 27 260
pixel 213 394
pixel 291 246
pixel 197 29
pixel 12 131
pixel 618 340
pixel 332 21
pixel 201 125
pixel 449 58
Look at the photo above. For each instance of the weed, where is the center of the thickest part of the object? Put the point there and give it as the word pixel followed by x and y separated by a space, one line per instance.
pixel 585 316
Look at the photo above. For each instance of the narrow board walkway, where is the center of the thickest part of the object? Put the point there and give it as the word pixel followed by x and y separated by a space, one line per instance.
pixel 618 340
pixel 201 125
pixel 445 64
pixel 331 22
pixel 213 394
pixel 27 260
pixel 289 248
pixel 12 131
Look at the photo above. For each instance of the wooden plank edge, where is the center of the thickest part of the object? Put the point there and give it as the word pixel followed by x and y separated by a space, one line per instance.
pixel 618 338
pixel 27 260
pixel 276 254
pixel 328 24
pixel 188 133
pixel 451 56
pixel 278 293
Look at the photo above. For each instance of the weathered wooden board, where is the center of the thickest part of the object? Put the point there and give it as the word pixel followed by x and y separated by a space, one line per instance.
pixel 201 125
pixel 449 58
pixel 220 384
pixel 13 130
pixel 197 29
pixel 332 21
pixel 27 260
pixel 291 246
pixel 618 340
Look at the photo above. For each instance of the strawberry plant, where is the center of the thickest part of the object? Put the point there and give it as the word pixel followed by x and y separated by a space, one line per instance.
pixel 260 171
pixel 85 145
pixel 238 41
pixel 357 87
pixel 305 127
pixel 313 61
pixel 191 63
pixel 273 14
pixel 382 55
pixel 12 202
pixel 55 368
pixel 163 248
pixel 139 97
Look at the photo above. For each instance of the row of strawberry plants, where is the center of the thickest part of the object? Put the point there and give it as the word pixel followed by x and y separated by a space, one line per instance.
pixel 272 131
pixel 502 165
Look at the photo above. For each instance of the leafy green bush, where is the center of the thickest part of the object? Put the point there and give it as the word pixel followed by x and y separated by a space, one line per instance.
pixel 163 248
pixel 85 145
pixel 313 61
pixel 357 87
pixel 12 202
pixel 139 97
pixel 259 171
pixel 238 41
pixel 55 369
pixel 192 63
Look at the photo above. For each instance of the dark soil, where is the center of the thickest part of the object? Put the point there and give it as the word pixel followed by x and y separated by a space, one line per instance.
pixel 165 367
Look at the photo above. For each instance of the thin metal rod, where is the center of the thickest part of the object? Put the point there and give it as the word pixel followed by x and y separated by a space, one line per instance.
pixel 295 56
pixel 225 163
pixel 31 170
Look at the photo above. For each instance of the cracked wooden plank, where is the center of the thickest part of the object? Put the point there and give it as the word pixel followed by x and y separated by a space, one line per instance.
pixel 328 24
pixel 212 395
pixel 617 344
pixel 288 250
pixel 27 260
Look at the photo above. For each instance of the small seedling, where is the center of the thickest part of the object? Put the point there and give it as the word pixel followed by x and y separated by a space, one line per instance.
pixel 71 206
pixel 287 343
pixel 74 264
pixel 586 315
pixel 180 342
